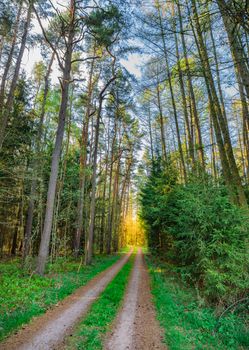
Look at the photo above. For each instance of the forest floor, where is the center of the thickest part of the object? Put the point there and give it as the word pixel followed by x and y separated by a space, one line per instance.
pixel 133 323
pixel 49 330
pixel 24 295
pixel 113 310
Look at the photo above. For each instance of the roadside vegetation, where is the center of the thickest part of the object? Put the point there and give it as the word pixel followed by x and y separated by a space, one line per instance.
pixel 200 275
pixel 90 333
pixel 190 323
pixel 200 231
pixel 24 295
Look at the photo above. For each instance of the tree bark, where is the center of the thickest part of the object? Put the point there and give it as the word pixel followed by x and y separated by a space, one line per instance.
pixel 9 103
pixel 83 160
pixel 193 109
pixel 164 153
pixel 237 50
pixel 89 243
pixel 10 58
pixel 46 234
pixel 229 165
pixel 110 212
pixel 36 165
pixel 172 96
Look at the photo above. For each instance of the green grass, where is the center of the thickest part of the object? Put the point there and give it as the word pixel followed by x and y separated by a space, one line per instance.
pixel 126 249
pixel 90 333
pixel 188 322
pixel 145 250
pixel 23 295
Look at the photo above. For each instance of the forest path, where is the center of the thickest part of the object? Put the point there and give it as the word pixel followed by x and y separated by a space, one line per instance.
pixel 136 326
pixel 49 331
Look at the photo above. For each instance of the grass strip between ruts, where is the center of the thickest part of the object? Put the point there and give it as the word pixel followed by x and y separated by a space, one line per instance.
pixel 23 296
pixel 188 322
pixel 90 333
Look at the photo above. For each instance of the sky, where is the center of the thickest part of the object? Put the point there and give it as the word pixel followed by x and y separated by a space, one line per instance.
pixel 33 54
pixel 133 64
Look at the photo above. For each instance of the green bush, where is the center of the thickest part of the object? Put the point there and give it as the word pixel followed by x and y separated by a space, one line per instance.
pixel 209 235
pixel 187 321
pixel 153 206
pixel 200 231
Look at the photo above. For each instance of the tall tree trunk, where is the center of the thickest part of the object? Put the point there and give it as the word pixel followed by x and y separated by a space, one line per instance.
pixel 241 70
pixel 16 230
pixel 103 217
pixel 36 164
pixel 89 243
pixel 110 212
pixel 184 100
pixel 60 182
pixel 151 137
pixel 83 161
pixel 213 155
pixel 46 234
pixel 233 180
pixel 114 207
pixel 164 153
pixel 172 95
pixel 237 50
pixel 240 144
pixel 193 108
pixel 9 103
pixel 10 58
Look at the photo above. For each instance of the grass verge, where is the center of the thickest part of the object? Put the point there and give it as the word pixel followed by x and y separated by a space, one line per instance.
pixel 188 322
pixel 23 296
pixel 90 333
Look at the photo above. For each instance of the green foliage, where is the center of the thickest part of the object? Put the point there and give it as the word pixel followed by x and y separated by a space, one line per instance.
pixel 23 296
pixel 209 235
pixel 7 19
pixel 90 333
pixel 198 229
pixel 192 66
pixel 153 199
pixel 105 24
pixel 39 72
pixel 187 322
pixel 20 126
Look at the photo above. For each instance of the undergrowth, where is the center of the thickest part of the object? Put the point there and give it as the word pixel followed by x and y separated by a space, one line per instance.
pixel 189 323
pixel 198 229
pixel 91 331
pixel 24 295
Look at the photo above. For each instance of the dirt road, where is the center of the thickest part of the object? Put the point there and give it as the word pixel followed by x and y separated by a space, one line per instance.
pixel 136 326
pixel 49 331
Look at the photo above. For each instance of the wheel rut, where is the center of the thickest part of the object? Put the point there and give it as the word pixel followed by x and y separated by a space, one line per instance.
pixel 136 327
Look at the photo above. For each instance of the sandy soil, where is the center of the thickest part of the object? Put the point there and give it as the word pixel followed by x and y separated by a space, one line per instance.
pixel 136 327
pixel 49 331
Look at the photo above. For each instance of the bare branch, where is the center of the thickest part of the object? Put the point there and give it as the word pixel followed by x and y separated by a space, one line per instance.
pixel 85 59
